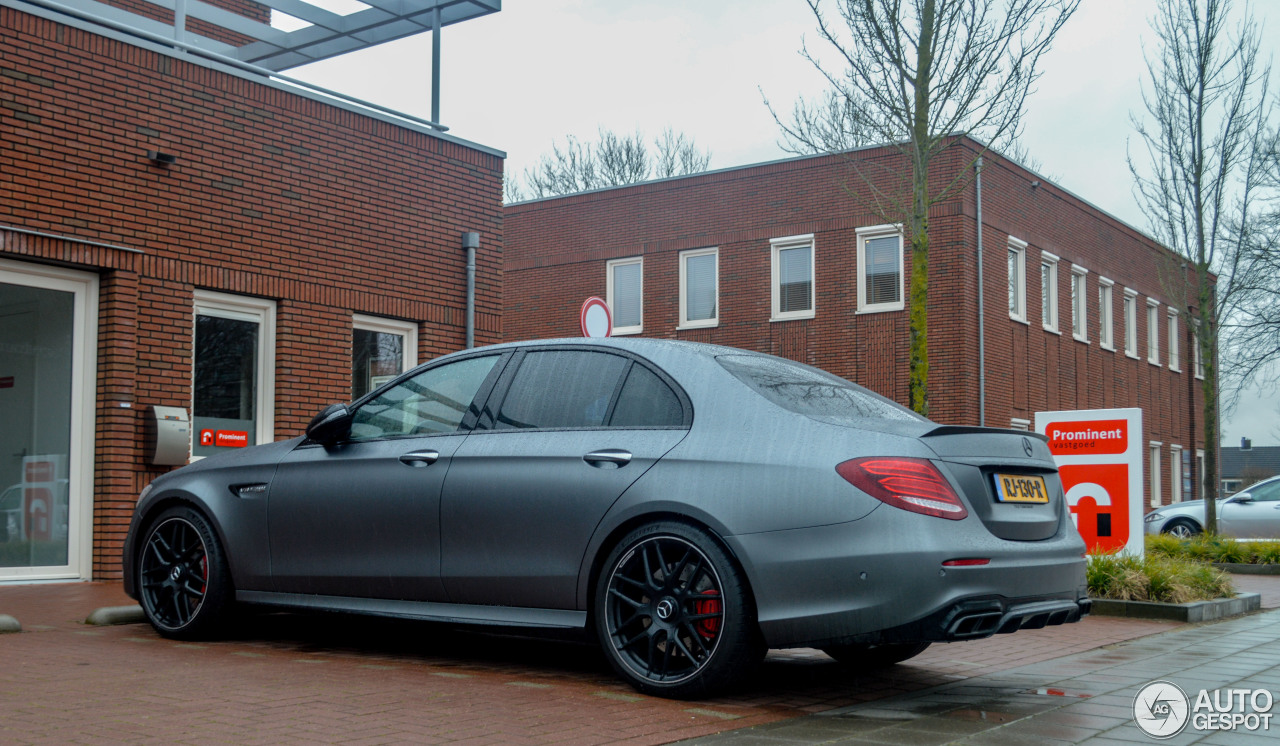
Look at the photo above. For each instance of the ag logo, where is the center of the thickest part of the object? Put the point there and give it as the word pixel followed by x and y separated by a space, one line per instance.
pixel 1161 709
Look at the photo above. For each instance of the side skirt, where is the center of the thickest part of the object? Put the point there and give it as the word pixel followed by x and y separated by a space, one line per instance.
pixel 507 616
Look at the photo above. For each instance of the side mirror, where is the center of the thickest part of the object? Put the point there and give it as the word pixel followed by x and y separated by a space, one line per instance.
pixel 1243 497
pixel 331 425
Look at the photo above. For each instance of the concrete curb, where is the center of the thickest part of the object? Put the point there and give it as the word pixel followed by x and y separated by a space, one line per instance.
pixel 1238 568
pixel 109 615
pixel 1196 611
pixel 9 624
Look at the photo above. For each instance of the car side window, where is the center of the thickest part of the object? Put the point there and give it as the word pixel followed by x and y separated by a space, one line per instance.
pixel 1266 492
pixel 646 401
pixel 434 401
pixel 561 389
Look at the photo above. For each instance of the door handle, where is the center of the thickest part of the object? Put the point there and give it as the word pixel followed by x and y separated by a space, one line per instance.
pixel 608 458
pixel 420 458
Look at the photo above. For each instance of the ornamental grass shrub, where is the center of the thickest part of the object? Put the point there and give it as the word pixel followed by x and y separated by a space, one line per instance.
pixel 1205 548
pixel 1156 577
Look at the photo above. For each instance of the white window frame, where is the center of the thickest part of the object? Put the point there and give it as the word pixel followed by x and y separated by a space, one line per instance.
pixel 1200 474
pixel 1049 292
pixel 406 330
pixel 619 331
pixel 1196 358
pixel 880 231
pixel 685 323
pixel 1019 423
pixel 1153 331
pixel 792 242
pixel 1080 303
pixel 1175 359
pixel 1153 451
pixel 1131 323
pixel 84 407
pixel 1106 314
pixel 244 308
pixel 1175 475
pixel 1018 280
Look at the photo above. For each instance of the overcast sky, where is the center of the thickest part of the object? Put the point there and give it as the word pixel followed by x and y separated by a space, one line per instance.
pixel 543 69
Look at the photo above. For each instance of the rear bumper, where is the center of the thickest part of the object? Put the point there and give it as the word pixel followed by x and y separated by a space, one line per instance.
pixel 882 579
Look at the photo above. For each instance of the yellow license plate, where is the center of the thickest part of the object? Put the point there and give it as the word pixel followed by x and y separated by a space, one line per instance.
pixel 1021 488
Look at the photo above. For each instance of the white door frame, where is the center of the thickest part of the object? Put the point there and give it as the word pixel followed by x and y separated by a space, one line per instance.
pixel 84 398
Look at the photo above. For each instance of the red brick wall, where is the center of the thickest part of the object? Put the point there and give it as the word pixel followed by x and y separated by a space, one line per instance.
pixel 557 249
pixel 324 210
pixel 246 8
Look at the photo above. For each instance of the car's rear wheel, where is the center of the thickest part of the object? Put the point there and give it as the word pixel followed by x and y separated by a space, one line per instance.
pixel 674 614
pixel 875 656
pixel 1182 528
pixel 183 579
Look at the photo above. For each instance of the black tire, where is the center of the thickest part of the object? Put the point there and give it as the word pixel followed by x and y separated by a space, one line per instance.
pixel 674 615
pixel 866 656
pixel 183 579
pixel 1183 528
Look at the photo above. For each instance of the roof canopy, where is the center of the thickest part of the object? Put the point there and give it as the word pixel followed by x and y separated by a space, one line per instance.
pixel 298 31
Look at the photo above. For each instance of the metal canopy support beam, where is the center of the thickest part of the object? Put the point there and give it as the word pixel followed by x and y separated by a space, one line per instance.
pixel 328 35
pixel 435 66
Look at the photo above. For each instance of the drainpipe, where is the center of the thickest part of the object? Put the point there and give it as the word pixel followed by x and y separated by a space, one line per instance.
pixel 982 339
pixel 471 242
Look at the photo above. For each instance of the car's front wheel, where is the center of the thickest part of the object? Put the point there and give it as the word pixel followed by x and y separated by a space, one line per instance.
pixel 1182 528
pixel 674 614
pixel 183 578
pixel 875 656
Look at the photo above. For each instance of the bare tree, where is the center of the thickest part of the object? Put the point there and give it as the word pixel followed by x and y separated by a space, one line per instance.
pixel 1204 135
pixel 612 160
pixel 914 74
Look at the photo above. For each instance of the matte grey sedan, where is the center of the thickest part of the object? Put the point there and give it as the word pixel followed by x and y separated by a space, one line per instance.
pixel 688 505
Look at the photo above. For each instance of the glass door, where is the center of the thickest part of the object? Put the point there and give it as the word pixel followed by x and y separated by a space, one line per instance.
pixel 46 441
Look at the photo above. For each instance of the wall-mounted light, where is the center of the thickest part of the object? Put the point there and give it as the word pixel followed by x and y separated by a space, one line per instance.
pixel 1035 184
pixel 161 159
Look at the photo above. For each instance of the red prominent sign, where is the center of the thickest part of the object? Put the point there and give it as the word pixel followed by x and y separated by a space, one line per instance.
pixel 1087 438
pixel 1098 496
pixel 231 439
pixel 206 437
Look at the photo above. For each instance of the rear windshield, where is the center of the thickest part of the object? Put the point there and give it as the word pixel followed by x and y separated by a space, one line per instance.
pixel 809 391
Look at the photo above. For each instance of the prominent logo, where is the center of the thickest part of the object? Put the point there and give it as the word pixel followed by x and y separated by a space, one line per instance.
pixel 206 437
pixel 1091 437
pixel 666 607
pixel 1161 709
pixel 230 439
pixel 1098 498
pixel 1026 447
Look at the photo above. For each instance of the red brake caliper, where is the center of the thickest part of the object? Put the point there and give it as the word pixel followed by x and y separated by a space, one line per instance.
pixel 708 627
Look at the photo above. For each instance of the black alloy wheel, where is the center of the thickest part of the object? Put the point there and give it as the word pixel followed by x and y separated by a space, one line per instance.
pixel 182 575
pixel 673 614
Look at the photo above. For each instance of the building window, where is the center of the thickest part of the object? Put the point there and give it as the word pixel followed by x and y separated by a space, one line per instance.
pixel 1154 457
pixel 880 274
pixel 1153 332
pixel 792 278
pixel 1106 327
pixel 1174 363
pixel 1018 423
pixel 233 387
pixel 625 295
pixel 1131 323
pixel 699 288
pixel 1197 360
pixel 1175 474
pixel 1200 474
pixel 1049 291
pixel 1017 280
pixel 381 349
pixel 1079 315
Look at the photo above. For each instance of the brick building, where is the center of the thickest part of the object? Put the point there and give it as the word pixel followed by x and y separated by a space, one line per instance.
pixel 179 229
pixel 788 258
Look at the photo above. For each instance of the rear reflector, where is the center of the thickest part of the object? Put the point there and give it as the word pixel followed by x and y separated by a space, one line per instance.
pixel 966 562
pixel 913 484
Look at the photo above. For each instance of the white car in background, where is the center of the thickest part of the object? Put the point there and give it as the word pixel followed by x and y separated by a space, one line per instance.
pixel 1252 513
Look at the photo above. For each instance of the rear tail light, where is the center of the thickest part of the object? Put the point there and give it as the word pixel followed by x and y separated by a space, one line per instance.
pixel 913 484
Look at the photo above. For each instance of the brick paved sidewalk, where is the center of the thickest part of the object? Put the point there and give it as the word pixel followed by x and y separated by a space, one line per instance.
pixel 286 678
pixel 1084 698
